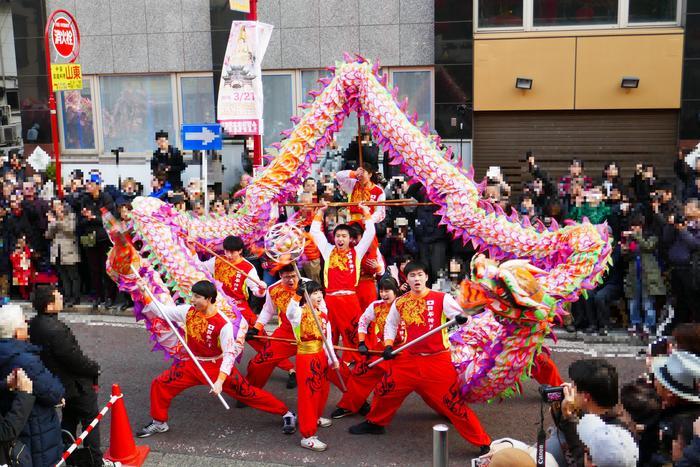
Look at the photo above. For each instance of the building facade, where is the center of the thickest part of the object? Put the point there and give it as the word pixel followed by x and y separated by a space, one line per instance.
pixel 155 64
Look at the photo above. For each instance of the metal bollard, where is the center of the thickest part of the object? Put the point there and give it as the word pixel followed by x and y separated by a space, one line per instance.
pixel 440 457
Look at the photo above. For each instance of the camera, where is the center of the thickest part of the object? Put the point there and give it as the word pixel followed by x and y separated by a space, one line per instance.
pixel 551 394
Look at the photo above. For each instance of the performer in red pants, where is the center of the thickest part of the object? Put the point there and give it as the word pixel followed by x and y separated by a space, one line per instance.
pixel 370 332
pixel 273 352
pixel 313 362
pixel 341 273
pixel 360 186
pixel 210 336
pixel 425 368
pixel 236 286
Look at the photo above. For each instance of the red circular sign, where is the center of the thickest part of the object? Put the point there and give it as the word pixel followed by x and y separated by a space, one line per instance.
pixel 63 36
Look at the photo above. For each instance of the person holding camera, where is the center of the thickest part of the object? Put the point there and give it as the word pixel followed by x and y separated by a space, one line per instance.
pixel 593 390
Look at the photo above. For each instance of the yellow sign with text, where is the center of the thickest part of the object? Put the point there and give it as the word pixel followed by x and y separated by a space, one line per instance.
pixel 66 76
pixel 240 5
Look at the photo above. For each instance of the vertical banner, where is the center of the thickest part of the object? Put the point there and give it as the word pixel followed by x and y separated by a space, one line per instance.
pixel 240 103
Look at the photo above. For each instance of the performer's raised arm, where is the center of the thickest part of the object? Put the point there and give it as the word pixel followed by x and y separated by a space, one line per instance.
pixel 346 180
pixel 369 234
pixel 318 236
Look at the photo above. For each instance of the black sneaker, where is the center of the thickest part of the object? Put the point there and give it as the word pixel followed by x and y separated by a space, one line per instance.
pixel 340 413
pixel 289 424
pixel 292 380
pixel 364 410
pixel 366 428
pixel 602 332
pixel 152 429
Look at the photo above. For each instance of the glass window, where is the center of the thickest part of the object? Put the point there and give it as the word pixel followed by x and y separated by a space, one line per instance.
pixel 77 117
pixel 574 12
pixel 197 99
pixel 133 109
pixel 278 106
pixel 348 132
pixel 501 13
pixel 650 11
pixel 417 85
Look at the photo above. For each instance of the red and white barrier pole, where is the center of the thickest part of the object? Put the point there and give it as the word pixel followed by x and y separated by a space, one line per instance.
pixel 87 431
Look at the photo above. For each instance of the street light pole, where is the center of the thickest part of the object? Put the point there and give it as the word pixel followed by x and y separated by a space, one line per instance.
pixel 257 139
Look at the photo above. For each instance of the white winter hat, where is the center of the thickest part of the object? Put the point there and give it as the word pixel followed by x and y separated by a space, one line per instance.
pixel 11 318
pixel 608 445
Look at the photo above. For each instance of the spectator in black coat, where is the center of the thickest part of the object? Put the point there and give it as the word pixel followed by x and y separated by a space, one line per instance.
pixel 431 237
pixel 42 434
pixel 18 388
pixel 683 241
pixel 94 239
pixel 168 159
pixel 63 356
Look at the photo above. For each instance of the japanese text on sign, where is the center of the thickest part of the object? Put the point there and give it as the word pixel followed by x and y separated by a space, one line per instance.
pixel 66 76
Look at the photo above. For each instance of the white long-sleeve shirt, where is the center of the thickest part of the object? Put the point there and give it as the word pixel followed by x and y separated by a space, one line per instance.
pixel 294 314
pixel 325 247
pixel 347 184
pixel 368 317
pixel 269 309
pixel 231 347
pixel 250 282
pixel 450 308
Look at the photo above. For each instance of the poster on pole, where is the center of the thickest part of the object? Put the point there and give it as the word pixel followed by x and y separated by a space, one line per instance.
pixel 240 102
pixel 240 5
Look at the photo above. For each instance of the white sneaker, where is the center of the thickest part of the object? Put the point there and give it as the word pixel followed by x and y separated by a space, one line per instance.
pixel 324 422
pixel 313 443
pixel 109 463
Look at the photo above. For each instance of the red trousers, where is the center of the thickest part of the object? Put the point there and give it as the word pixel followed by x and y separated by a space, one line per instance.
pixel 259 344
pixel 366 293
pixel 435 380
pixel 185 374
pixel 272 354
pixel 544 371
pixel 312 390
pixel 360 384
pixel 344 313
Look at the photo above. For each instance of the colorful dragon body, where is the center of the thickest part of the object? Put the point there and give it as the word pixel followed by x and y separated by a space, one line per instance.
pixel 571 259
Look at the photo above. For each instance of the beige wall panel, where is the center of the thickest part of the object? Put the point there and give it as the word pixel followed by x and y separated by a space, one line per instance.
pixel 550 63
pixel 603 61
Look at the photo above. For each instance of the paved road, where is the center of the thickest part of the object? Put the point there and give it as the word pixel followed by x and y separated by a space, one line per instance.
pixel 201 427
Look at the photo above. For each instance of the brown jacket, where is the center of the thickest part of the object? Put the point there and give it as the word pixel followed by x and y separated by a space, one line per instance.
pixel 63 240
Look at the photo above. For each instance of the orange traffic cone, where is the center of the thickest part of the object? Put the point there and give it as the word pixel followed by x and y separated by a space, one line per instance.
pixel 122 447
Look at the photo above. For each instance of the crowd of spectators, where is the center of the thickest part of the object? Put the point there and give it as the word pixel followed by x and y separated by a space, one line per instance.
pixel 653 223
pixel 598 420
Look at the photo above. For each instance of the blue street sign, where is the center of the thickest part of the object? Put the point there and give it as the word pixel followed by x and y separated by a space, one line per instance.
pixel 201 136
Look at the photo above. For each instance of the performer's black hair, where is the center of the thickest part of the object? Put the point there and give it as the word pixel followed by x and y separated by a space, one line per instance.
pixel 206 289
pixel 415 266
pixel 389 283
pixel 311 287
pixel 233 243
pixel 161 134
pixel 287 268
pixel 344 227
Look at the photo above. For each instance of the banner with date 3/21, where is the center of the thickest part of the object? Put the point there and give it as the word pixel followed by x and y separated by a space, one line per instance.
pixel 66 76
pixel 240 102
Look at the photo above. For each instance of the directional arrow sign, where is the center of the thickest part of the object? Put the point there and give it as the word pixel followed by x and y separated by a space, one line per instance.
pixel 201 137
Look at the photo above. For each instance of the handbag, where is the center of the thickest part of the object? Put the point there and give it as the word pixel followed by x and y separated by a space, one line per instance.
pixel 89 240
pixel 18 455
